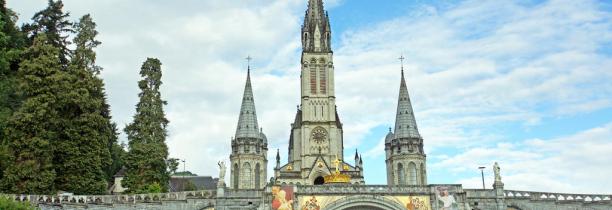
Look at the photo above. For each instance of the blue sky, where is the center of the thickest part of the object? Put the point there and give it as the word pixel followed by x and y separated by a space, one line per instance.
pixel 524 84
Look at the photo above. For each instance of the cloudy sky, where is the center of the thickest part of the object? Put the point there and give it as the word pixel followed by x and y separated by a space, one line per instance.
pixel 524 84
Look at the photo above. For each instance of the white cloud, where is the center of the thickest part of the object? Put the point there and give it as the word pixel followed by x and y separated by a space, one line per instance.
pixel 574 164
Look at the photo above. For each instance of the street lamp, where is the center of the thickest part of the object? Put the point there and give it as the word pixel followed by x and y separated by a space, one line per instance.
pixel 482 173
pixel 183 181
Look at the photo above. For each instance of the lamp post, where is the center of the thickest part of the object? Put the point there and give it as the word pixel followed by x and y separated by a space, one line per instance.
pixel 184 171
pixel 482 173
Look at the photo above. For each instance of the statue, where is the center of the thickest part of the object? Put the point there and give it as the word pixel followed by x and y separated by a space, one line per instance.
pixel 337 164
pixel 496 171
pixel 221 170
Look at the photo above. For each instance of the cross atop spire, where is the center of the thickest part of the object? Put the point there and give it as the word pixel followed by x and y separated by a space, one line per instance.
pixel 249 58
pixel 401 58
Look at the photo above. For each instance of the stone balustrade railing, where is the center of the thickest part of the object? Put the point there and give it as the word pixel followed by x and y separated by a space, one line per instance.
pixel 374 189
pixel 113 199
pixel 244 193
pixel 548 196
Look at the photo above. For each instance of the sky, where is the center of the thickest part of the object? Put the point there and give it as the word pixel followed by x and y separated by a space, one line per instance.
pixel 522 83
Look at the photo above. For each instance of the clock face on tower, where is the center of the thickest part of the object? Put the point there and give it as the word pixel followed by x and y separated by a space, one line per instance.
pixel 319 135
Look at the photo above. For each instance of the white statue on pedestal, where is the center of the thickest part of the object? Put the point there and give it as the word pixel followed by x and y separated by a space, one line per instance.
pixel 221 173
pixel 497 173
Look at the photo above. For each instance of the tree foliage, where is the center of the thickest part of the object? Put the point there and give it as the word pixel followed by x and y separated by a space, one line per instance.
pixel 146 159
pixel 61 136
pixel 32 129
pixel 82 155
pixel 53 22
pixel 7 203
pixel 12 42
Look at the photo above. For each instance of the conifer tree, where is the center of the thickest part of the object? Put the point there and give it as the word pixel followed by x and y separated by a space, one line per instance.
pixel 32 130
pixel 82 154
pixel 53 22
pixel 12 42
pixel 147 155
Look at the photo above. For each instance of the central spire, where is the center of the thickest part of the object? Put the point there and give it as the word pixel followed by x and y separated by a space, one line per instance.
pixel 316 32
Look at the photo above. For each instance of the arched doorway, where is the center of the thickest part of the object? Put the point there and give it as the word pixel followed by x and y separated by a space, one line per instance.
pixel 364 202
pixel 364 208
pixel 319 181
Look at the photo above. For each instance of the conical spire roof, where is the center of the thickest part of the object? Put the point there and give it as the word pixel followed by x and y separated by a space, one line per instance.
pixel 247 122
pixel 405 123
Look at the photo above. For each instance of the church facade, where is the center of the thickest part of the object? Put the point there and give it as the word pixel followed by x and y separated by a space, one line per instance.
pixel 315 176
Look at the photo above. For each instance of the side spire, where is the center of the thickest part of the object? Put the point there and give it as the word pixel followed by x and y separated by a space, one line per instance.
pixel 247 122
pixel 405 123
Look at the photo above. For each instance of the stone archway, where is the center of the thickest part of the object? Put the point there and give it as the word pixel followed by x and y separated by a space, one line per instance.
pixel 364 202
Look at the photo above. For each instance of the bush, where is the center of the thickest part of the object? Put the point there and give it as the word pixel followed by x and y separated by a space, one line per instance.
pixel 151 188
pixel 6 203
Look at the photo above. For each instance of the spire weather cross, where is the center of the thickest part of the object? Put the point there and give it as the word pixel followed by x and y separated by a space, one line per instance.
pixel 249 58
pixel 401 58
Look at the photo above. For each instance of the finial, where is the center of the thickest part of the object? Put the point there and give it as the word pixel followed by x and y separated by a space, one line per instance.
pixel 389 129
pixel 401 58
pixel 249 58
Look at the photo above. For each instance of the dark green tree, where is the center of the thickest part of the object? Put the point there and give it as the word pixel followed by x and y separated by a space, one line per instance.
pixel 173 164
pixel 32 130
pixel 148 153
pixel 12 42
pixel 84 57
pixel 82 153
pixel 53 22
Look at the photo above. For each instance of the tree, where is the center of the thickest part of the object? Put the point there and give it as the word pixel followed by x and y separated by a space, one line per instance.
pixel 173 164
pixel 83 152
pixel 32 129
pixel 12 42
pixel 146 159
pixel 53 22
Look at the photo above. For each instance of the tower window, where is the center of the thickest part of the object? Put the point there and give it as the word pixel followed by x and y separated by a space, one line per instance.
pixel 313 80
pixel 323 79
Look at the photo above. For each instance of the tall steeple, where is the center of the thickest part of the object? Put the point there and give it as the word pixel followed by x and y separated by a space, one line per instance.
pixel 250 145
pixel 405 123
pixel 247 122
pixel 405 158
pixel 316 31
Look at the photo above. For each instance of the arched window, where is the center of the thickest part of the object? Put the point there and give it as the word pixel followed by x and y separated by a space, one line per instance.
pixel 412 180
pixel 401 174
pixel 423 182
pixel 319 180
pixel 247 176
pixel 313 78
pixel 323 78
pixel 257 176
pixel 236 173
